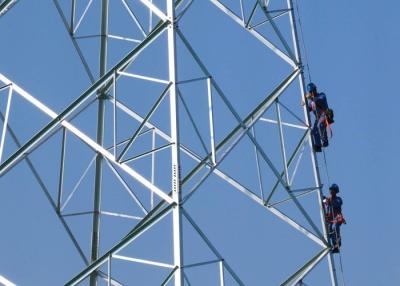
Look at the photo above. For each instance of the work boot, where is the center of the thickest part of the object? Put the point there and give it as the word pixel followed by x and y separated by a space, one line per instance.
pixel 335 249
pixel 317 148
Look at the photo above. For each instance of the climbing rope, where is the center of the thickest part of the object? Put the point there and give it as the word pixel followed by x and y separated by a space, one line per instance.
pixel 341 269
pixel 303 41
pixel 325 161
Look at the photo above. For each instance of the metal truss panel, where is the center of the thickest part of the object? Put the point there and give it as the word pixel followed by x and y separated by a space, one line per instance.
pixel 173 122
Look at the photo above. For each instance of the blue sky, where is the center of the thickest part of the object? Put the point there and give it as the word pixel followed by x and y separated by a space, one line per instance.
pixel 352 52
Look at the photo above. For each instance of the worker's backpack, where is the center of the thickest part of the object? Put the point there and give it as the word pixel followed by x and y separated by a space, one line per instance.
pixel 330 115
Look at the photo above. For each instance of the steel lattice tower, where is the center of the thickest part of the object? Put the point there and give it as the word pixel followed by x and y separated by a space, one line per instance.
pixel 162 146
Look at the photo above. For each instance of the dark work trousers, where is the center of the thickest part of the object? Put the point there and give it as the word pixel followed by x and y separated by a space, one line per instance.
pixel 319 132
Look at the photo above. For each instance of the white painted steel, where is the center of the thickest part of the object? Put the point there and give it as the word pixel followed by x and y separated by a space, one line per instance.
pixel 86 139
pixel 5 123
pixel 175 156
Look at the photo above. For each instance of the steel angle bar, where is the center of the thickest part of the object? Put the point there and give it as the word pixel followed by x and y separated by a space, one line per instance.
pixel 282 144
pixel 176 186
pixel 242 9
pixel 221 273
pixel 211 121
pixel 284 123
pixel 73 15
pixel 277 31
pixel 70 33
pixel 108 277
pixel 74 29
pixel 302 194
pixel 191 119
pixel 127 188
pixel 169 276
pixel 259 176
pixel 6 6
pixel 211 246
pixel 304 270
pixel 87 37
pixel 143 123
pixel 114 115
pixel 153 165
pixel 50 128
pixel 5 122
pixel 202 263
pixel 305 189
pixel 260 37
pixel 4 281
pixel 62 169
pixel 248 122
pixel 143 261
pixel 5 86
pixel 121 215
pixel 193 80
pixel 126 140
pixel 148 78
pixel 296 166
pixel 293 114
pixel 47 194
pixel 77 214
pixel 155 9
pixel 131 113
pixel 297 226
pixel 250 16
pixel 77 184
pixel 280 14
pixel 121 38
pixel 184 10
pixel 139 230
pixel 151 152
pixel 134 18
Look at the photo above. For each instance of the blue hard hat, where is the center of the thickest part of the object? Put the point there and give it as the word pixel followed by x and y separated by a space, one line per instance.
pixel 311 87
pixel 334 187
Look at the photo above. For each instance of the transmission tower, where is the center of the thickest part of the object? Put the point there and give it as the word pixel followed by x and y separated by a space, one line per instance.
pixel 158 127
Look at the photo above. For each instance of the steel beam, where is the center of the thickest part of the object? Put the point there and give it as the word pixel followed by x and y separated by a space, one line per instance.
pixel 95 244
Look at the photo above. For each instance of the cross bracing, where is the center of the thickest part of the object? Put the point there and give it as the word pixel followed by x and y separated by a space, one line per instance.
pixel 162 146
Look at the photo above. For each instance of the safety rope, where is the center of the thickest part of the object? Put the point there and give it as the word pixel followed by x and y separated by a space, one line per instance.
pixel 303 42
pixel 325 161
pixel 326 168
pixel 341 268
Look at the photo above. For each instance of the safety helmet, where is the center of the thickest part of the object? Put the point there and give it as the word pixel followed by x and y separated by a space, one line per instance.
pixel 334 187
pixel 311 87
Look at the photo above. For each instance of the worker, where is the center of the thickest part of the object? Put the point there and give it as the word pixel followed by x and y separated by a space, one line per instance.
pixel 319 106
pixel 334 217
